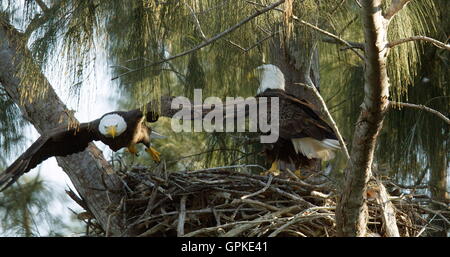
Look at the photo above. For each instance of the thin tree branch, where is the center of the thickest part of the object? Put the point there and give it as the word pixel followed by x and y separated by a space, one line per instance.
pixel 343 29
pixel 232 167
pixel 254 45
pixel 436 212
pixel 182 216
pixel 420 107
pixel 205 152
pixel 329 34
pixel 358 3
pixel 425 227
pixel 42 5
pixel 338 38
pixel 262 190
pixel 330 118
pixel 435 42
pixel 209 41
pixel 321 101
pixel 355 45
pixel 337 7
pixel 236 45
pixel 395 7
pixel 350 47
pixel 409 187
pixel 197 22
pixel 40 20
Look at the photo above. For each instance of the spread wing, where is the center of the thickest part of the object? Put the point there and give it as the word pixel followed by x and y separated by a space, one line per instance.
pixel 58 142
pixel 298 117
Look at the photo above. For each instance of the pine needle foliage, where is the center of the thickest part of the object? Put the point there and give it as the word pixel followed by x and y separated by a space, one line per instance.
pixel 25 209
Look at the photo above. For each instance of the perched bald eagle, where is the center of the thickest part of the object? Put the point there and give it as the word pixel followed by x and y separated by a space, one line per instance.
pixel 116 129
pixel 303 135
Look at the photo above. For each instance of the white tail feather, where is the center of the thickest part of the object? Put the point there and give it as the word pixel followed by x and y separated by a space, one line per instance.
pixel 313 148
pixel 332 143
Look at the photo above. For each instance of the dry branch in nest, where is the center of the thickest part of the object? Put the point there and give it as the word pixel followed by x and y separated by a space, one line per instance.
pixel 223 202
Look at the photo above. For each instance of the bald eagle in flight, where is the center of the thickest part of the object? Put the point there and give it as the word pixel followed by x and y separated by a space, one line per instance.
pixel 115 129
pixel 303 135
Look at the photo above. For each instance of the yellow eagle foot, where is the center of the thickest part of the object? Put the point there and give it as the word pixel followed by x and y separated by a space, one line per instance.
pixel 154 154
pixel 298 173
pixel 273 170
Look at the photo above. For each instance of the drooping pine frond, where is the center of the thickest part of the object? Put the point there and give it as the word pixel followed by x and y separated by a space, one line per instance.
pixel 11 126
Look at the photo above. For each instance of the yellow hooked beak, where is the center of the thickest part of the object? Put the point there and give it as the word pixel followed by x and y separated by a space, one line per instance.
pixel 111 131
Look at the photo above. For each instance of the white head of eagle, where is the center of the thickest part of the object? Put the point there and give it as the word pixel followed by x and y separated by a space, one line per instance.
pixel 270 77
pixel 112 125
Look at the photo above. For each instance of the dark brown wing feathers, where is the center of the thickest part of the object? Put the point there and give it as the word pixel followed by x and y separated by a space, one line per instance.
pixel 298 117
pixel 58 142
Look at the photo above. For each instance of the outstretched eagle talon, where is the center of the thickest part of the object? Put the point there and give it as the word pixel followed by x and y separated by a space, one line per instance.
pixel 154 154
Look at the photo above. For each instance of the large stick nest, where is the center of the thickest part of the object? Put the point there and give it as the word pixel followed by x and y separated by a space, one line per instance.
pixel 222 202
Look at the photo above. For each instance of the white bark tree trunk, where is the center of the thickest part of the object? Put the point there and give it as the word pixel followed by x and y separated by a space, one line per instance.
pixel 351 212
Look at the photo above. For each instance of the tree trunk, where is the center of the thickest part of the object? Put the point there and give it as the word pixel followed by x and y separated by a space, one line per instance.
pixel 351 212
pixel 88 170
pixel 440 163
pixel 438 188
